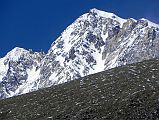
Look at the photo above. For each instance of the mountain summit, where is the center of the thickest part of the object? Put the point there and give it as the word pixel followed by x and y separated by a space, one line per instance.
pixel 95 42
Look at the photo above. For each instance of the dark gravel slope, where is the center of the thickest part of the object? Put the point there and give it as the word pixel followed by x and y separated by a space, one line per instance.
pixel 125 93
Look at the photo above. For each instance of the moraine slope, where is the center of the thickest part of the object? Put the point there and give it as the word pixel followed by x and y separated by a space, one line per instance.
pixel 128 92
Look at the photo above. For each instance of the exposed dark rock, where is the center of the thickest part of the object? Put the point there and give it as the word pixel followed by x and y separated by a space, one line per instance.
pixel 125 93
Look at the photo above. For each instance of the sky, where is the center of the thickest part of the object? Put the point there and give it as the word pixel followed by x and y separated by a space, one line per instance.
pixel 35 24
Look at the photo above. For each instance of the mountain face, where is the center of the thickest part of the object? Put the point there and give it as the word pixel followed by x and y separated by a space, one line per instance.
pixel 18 67
pixel 95 42
pixel 124 93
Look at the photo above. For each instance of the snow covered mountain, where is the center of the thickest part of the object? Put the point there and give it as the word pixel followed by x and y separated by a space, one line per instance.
pixel 96 41
pixel 18 67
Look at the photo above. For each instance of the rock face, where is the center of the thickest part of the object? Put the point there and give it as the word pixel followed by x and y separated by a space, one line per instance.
pixel 18 67
pixel 125 93
pixel 95 42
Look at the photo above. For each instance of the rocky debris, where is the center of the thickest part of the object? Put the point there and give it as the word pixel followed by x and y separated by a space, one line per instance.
pixel 125 93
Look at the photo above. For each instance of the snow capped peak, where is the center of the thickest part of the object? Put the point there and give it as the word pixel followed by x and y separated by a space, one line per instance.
pixel 102 13
pixel 151 24
pixel 15 53
pixel 120 20
pixel 108 15
pixel 133 19
pixel 17 50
